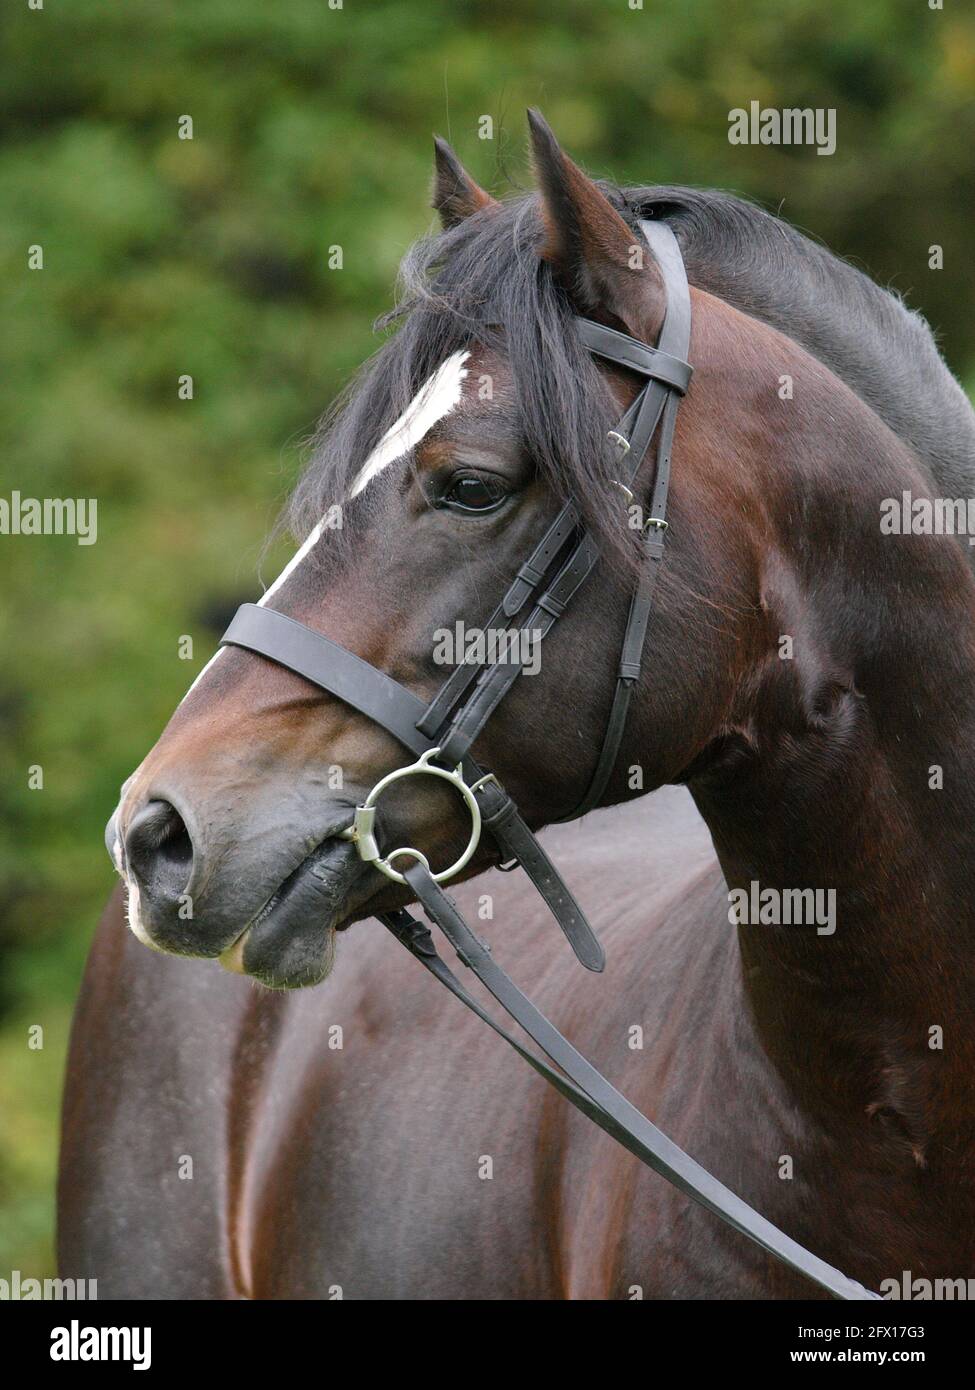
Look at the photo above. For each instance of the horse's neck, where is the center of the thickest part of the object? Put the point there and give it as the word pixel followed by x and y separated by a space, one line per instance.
pixel 865 1012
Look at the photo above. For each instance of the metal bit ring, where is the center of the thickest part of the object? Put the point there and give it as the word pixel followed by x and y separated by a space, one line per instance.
pixel 361 831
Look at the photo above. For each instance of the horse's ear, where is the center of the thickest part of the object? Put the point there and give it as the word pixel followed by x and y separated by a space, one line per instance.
pixel 455 194
pixel 599 259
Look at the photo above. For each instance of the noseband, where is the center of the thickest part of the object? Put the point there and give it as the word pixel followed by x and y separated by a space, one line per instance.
pixel 442 733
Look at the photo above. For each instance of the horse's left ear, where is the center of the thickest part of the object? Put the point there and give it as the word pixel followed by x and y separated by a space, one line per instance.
pixel 599 259
pixel 455 194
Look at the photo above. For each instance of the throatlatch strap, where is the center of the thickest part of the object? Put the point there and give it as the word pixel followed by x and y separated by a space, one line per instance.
pixel 585 1088
pixel 674 339
pixel 638 618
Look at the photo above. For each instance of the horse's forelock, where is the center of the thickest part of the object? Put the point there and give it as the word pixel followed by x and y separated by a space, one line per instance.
pixel 480 283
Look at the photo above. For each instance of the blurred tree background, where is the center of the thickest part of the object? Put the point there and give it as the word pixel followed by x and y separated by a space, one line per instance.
pixel 209 257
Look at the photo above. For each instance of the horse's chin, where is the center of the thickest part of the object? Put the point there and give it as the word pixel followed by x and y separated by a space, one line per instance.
pixel 282 973
pixel 291 942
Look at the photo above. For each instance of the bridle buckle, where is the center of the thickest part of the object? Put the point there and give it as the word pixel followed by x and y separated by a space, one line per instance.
pixel 620 440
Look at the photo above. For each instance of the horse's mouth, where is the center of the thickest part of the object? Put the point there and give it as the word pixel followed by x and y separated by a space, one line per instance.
pixel 291 941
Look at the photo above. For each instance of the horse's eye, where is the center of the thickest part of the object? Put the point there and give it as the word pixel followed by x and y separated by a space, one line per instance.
pixel 474 494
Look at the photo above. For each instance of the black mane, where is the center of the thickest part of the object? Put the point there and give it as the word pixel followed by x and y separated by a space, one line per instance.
pixel 459 286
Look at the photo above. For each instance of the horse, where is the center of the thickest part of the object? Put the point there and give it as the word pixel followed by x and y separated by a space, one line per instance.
pixel 786 919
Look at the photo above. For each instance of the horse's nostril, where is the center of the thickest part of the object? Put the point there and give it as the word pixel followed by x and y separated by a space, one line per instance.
pixel 175 847
pixel 159 851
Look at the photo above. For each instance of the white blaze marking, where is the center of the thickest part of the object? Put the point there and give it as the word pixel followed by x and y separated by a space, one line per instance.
pixel 436 398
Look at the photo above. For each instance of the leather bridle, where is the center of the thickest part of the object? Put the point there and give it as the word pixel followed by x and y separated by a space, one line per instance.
pixel 442 733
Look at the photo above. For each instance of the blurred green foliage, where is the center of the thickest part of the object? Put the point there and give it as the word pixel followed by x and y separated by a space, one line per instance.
pixel 210 257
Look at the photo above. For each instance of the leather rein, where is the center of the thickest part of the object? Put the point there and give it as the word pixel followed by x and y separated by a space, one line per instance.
pixel 442 733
